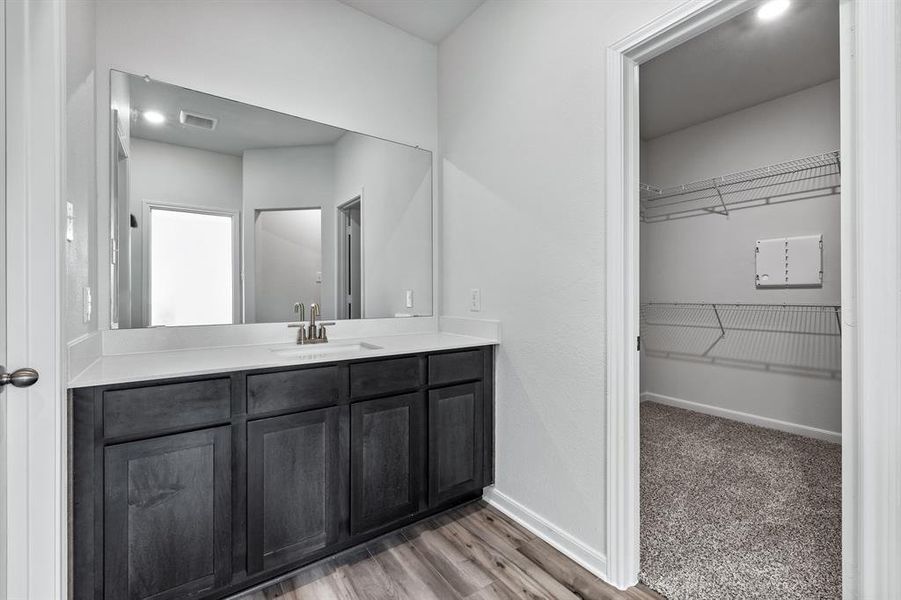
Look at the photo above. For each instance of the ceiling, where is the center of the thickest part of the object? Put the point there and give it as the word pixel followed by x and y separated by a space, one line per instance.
pixel 430 20
pixel 739 64
pixel 240 126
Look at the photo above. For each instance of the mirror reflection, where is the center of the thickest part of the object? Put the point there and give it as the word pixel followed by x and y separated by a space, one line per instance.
pixel 222 212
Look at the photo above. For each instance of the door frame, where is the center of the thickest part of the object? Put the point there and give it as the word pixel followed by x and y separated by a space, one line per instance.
pixel 871 323
pixel 36 427
pixel 340 272
pixel 147 248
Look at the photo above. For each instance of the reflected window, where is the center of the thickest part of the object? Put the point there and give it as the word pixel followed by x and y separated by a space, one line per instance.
pixel 191 270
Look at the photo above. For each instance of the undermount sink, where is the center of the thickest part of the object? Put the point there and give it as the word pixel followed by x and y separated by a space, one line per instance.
pixel 316 350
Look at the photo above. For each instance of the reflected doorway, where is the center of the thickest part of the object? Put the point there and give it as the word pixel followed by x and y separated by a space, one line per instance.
pixel 350 260
pixel 288 262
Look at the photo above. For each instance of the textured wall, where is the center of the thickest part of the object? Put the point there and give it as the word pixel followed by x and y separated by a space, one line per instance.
pixel 521 126
pixel 80 183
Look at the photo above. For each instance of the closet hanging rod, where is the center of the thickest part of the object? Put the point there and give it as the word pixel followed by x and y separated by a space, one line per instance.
pixel 830 159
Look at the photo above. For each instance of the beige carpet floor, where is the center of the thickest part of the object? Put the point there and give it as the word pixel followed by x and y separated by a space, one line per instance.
pixel 734 511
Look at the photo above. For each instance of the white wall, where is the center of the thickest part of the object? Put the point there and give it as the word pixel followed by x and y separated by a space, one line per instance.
pixel 178 175
pixel 711 258
pixel 80 183
pixel 521 122
pixel 298 177
pixel 396 182
pixel 321 60
pixel 288 254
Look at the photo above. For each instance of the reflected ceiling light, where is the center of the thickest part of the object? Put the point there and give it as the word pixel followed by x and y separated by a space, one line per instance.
pixel 772 9
pixel 154 117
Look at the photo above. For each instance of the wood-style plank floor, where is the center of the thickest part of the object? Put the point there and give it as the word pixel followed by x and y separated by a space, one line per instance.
pixel 472 553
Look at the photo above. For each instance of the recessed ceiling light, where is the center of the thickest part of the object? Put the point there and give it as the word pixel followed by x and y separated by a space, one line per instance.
pixel 772 9
pixel 154 117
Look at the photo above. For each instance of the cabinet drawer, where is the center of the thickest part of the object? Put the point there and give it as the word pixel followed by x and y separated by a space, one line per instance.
pixel 455 366
pixel 384 376
pixel 285 390
pixel 156 408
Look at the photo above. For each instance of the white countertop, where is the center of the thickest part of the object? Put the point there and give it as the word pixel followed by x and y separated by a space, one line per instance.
pixel 144 366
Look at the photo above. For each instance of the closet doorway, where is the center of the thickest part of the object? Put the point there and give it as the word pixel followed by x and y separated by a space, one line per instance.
pixel 740 309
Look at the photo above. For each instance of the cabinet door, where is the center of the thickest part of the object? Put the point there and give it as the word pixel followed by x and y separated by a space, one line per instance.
pixel 294 470
pixel 167 515
pixel 456 441
pixel 387 460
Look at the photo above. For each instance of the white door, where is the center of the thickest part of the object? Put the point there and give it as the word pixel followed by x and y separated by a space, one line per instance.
pixel 32 417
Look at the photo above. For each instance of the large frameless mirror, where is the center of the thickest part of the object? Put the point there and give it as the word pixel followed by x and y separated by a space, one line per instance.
pixel 223 213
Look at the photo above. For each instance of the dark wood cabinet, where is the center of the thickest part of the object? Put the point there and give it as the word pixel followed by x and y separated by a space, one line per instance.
pixel 156 409
pixel 386 458
pixel 455 441
pixel 167 516
pixel 203 486
pixel 294 472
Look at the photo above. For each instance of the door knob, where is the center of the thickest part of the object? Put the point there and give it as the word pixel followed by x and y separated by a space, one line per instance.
pixel 19 378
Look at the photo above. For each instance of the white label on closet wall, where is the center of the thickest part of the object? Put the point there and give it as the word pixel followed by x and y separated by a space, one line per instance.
pixel 790 262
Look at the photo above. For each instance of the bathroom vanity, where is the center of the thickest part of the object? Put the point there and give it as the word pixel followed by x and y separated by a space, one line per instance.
pixel 202 460
pixel 204 485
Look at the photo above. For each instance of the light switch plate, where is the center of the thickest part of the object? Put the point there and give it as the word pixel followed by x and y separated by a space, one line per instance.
pixel 408 298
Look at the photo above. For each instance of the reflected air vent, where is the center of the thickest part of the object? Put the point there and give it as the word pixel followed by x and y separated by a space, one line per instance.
pixel 189 119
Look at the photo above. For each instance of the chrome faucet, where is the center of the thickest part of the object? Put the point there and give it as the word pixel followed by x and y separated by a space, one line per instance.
pixel 310 333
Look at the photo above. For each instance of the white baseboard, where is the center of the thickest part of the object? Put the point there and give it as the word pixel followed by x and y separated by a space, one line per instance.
pixel 577 550
pixel 707 409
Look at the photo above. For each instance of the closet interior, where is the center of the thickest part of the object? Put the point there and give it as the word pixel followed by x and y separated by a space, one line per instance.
pixel 740 310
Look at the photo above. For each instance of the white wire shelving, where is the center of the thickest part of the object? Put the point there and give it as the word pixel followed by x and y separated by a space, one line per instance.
pixel 798 179
pixel 793 338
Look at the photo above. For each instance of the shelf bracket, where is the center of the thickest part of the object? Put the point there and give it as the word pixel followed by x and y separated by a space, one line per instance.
pixel 719 321
pixel 722 202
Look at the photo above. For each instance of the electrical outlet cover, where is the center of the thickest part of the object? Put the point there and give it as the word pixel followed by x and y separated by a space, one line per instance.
pixel 475 300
